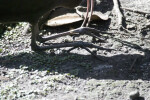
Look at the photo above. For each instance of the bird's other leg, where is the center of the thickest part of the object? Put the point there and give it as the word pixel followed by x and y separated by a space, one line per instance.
pixel 87 13
pixel 35 33
pixel 90 5
pixel 41 22
pixel 91 12
pixel 87 18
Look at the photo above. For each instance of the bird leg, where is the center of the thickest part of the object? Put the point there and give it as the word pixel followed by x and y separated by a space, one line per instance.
pixel 80 30
pixel 87 13
pixel 87 19
pixel 91 12
pixel 35 33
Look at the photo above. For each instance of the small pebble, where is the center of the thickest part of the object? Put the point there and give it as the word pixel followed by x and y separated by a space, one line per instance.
pixel 131 26
pixel 133 95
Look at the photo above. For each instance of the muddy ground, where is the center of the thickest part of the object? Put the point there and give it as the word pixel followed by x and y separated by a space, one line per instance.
pixel 57 75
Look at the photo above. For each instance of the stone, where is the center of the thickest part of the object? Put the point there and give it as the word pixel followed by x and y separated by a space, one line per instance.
pixel 134 94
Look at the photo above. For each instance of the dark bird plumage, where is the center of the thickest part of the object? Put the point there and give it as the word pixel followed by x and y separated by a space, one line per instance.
pixel 30 10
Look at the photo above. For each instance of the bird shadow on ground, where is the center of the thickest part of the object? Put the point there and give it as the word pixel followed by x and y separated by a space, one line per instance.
pixel 118 67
